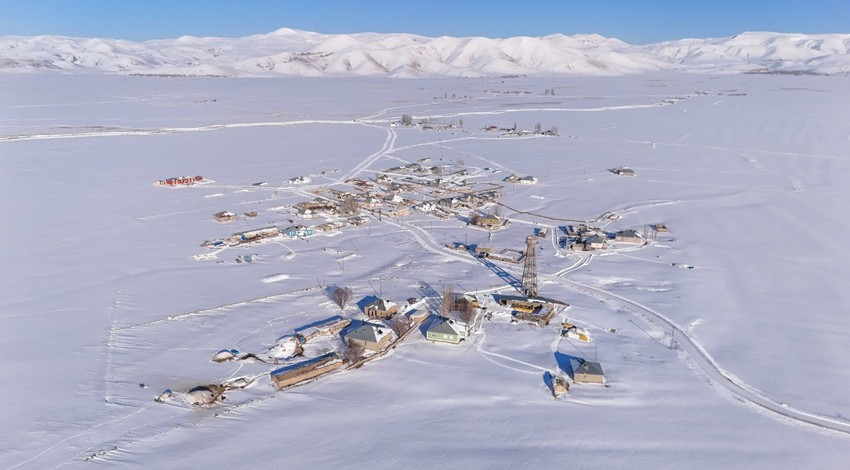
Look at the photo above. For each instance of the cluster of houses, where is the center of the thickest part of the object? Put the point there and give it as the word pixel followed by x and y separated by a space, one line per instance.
pixel 227 216
pixel 439 190
pixel 514 131
pixel 586 238
pixel 181 181
pixel 372 338
pixel 514 179
pixel 259 234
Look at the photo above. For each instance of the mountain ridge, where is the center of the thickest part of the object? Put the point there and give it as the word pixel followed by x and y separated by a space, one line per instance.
pixel 286 52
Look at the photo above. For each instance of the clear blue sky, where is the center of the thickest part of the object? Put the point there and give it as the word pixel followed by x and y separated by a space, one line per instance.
pixel 634 21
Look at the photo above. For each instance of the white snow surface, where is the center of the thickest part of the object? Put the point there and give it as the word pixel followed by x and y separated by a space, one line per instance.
pixel 103 289
pixel 295 52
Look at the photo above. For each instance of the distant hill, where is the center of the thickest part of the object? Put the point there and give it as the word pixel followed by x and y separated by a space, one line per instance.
pixel 293 52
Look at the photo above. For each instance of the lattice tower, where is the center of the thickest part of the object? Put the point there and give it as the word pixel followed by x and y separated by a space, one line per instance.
pixel 529 271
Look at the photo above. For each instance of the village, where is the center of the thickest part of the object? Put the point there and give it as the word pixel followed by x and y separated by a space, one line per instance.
pixel 440 190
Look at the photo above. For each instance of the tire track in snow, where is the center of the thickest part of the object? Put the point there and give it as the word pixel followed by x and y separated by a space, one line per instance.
pixel 387 147
pixel 171 130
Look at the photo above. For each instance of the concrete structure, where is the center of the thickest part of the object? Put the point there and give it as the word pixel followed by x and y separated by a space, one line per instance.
pixel 373 337
pixel 624 171
pixel 589 372
pixel 380 308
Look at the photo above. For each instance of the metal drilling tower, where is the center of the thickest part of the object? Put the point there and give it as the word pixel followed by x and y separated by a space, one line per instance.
pixel 529 271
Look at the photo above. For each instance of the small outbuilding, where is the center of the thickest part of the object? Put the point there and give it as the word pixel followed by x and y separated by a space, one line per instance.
pixel 224 216
pixel 589 372
pixel 201 395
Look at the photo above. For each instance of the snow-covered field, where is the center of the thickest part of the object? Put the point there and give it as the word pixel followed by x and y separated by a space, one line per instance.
pixel 104 306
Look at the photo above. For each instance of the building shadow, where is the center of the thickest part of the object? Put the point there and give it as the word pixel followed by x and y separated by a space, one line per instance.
pixel 565 363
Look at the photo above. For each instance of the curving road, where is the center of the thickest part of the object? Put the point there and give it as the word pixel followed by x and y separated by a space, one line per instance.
pixel 721 377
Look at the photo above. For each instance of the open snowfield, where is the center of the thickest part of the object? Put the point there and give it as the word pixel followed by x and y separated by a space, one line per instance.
pixel 103 288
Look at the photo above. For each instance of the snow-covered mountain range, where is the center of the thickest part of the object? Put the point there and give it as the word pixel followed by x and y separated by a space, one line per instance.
pixel 294 52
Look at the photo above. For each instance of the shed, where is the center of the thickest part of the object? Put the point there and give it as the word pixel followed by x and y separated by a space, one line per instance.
pixel 624 171
pixel 589 372
pixel 373 337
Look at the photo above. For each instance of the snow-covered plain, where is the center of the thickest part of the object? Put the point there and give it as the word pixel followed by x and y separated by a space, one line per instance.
pixel 101 294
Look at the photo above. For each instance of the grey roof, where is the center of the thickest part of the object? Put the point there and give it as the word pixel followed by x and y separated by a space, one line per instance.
pixel 444 327
pixel 590 368
pixel 594 239
pixel 367 332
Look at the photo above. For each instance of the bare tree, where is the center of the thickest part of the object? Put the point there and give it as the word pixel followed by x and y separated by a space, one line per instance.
pixel 553 130
pixel 465 310
pixel 461 162
pixel 514 129
pixel 497 210
pixel 460 124
pixel 401 324
pixel 474 218
pixel 341 295
pixel 350 206
pixel 448 300
pixel 407 119
pixel 538 128
pixel 353 351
